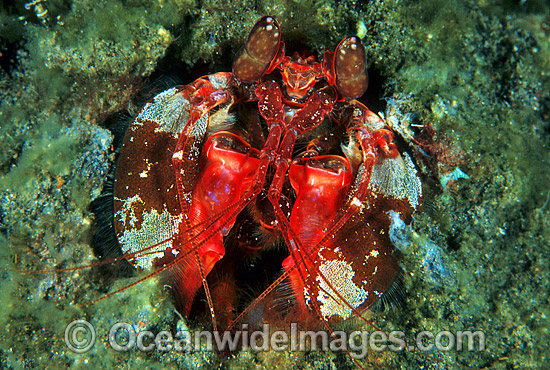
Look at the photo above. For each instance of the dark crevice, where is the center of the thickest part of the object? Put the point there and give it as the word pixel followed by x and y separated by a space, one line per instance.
pixel 8 56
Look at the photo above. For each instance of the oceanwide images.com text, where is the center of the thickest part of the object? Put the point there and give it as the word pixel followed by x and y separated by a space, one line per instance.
pixel 80 337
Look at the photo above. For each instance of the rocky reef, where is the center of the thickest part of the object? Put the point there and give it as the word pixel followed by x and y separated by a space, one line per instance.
pixel 466 84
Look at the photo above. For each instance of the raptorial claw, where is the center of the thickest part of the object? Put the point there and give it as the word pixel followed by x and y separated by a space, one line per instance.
pixel 321 184
pixel 227 174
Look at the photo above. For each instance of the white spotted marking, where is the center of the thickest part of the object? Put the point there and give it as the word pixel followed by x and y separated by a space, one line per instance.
pixel 126 212
pixel 155 229
pixel 356 202
pixel 340 276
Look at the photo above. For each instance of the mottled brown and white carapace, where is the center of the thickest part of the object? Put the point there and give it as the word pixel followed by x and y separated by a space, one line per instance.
pixel 147 209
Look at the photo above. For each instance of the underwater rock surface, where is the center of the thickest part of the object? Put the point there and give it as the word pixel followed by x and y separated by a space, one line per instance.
pixel 477 72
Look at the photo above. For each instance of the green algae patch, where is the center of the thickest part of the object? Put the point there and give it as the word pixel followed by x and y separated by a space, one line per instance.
pixel 49 152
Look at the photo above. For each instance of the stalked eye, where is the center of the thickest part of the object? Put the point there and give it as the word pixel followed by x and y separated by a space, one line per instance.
pixel 350 67
pixel 258 51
